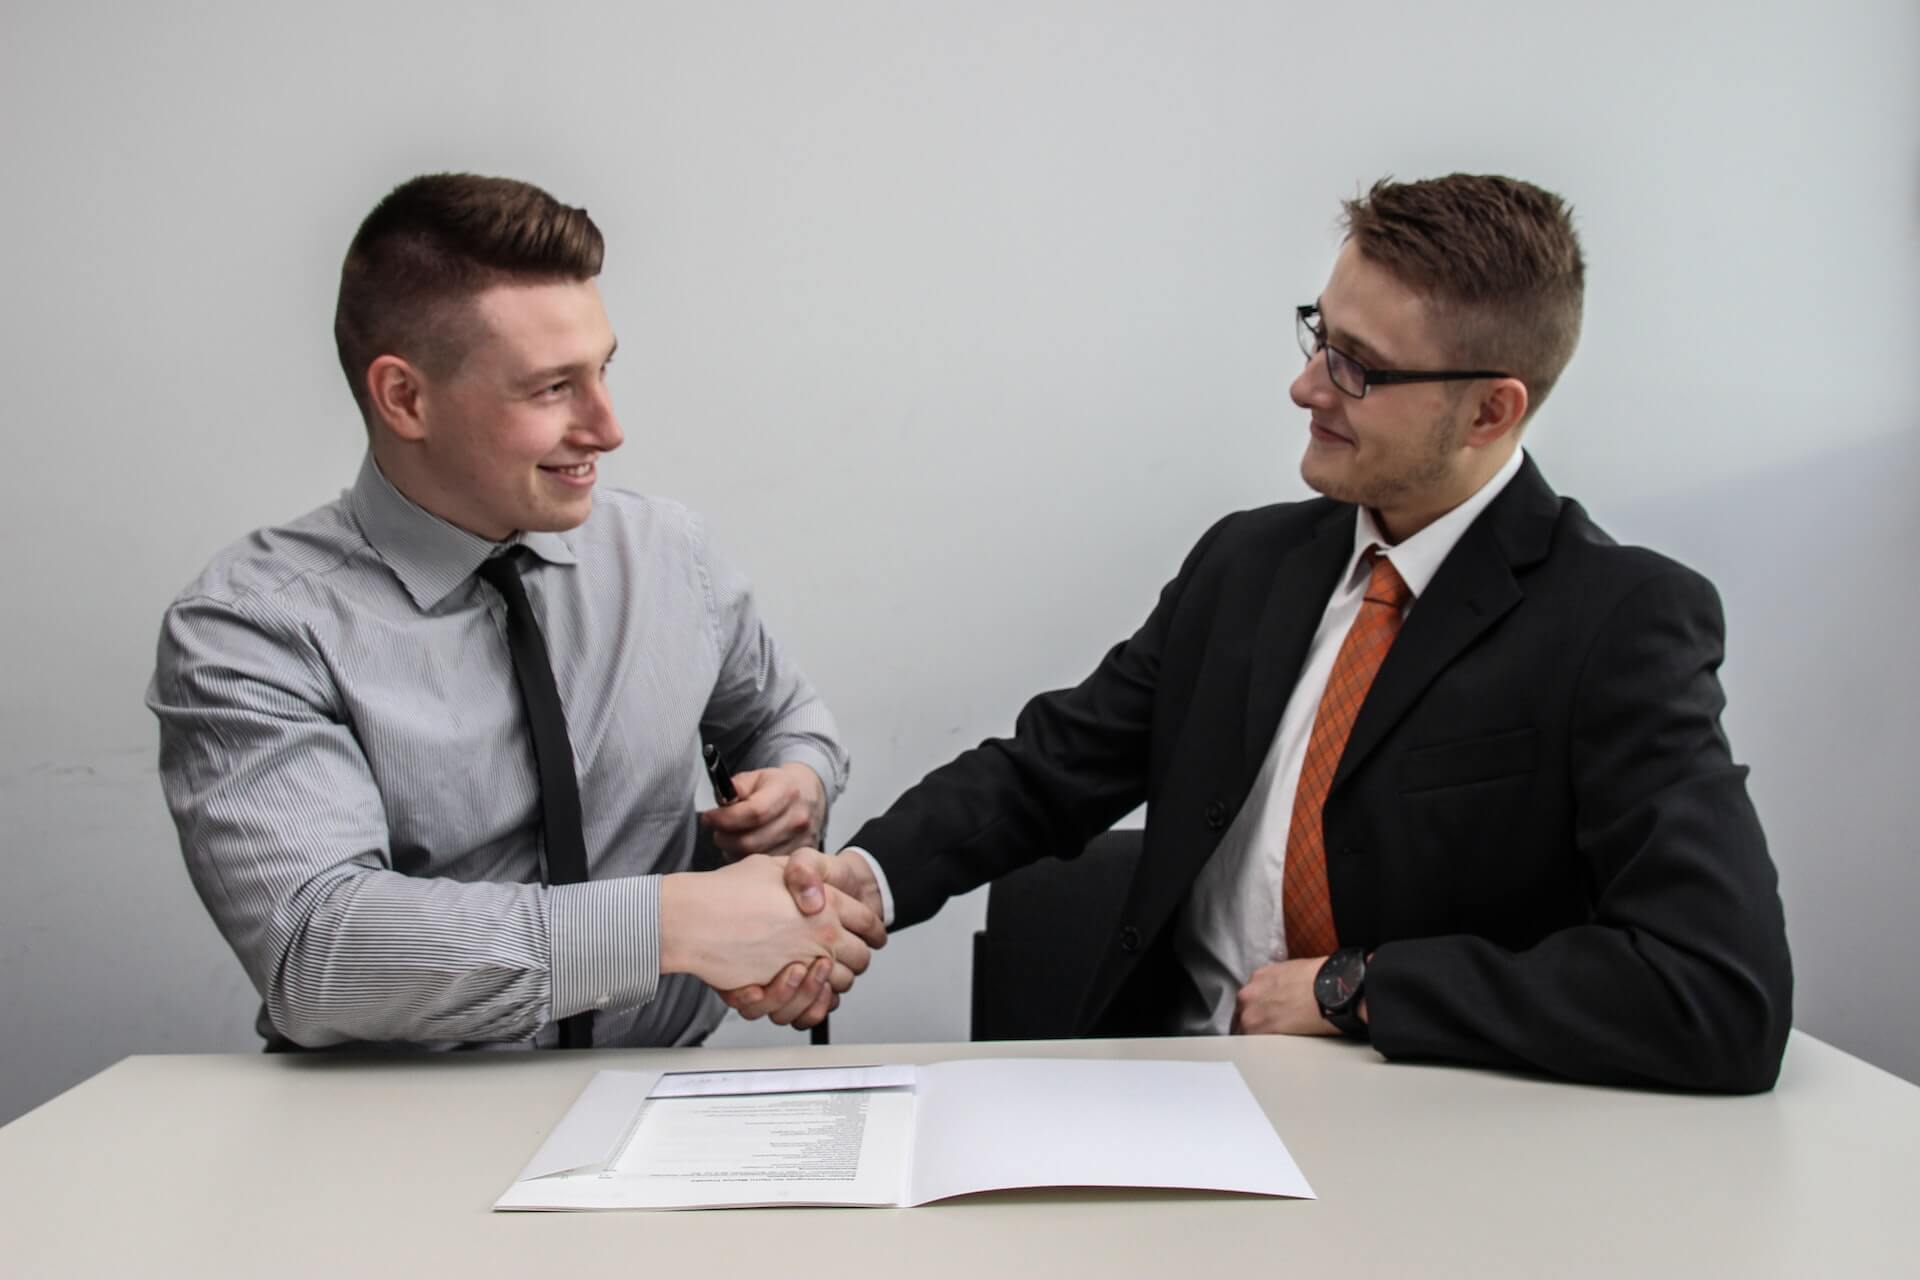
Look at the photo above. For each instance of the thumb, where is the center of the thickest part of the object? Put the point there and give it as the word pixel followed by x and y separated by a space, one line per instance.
pixel 806 878
pixel 745 784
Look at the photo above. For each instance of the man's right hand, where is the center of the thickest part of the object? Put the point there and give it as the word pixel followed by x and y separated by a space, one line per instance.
pixel 798 995
pixel 734 926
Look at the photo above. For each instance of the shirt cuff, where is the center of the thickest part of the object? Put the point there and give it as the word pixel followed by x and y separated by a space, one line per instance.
pixel 604 940
pixel 817 760
pixel 879 878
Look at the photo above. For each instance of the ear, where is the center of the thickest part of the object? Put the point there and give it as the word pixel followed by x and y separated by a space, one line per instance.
pixel 396 391
pixel 1502 408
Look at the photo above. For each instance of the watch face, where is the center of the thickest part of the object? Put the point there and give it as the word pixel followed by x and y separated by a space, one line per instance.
pixel 1339 978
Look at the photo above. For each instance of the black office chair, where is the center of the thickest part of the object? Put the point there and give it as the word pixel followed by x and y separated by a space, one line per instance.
pixel 1047 926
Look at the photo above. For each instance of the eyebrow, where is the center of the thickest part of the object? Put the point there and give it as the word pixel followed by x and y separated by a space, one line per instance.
pixel 553 372
pixel 1352 342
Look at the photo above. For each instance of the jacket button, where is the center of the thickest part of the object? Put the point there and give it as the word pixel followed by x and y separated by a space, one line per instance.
pixel 1129 939
pixel 1216 815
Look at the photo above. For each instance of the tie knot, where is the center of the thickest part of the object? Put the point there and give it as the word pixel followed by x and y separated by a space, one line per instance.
pixel 1385 585
pixel 502 569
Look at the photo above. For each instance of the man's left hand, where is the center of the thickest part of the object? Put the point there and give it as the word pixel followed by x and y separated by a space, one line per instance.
pixel 1278 1001
pixel 779 810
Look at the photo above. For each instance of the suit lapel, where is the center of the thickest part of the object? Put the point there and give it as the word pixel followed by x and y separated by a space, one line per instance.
pixel 1295 603
pixel 1473 590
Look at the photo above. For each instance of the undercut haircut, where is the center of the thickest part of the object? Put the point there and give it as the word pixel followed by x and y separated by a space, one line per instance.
pixel 1497 260
pixel 434 243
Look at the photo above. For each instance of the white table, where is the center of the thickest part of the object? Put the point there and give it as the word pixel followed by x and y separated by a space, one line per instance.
pixel 278 1166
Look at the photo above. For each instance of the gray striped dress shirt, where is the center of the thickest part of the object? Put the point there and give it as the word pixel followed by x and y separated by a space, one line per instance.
pixel 346 757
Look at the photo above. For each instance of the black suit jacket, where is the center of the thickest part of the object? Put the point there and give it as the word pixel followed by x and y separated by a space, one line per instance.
pixel 1537 822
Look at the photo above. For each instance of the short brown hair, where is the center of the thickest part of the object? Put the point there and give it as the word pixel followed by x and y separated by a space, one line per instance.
pixel 1496 258
pixel 432 244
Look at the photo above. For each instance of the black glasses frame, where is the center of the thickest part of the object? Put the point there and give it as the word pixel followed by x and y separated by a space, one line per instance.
pixel 1313 340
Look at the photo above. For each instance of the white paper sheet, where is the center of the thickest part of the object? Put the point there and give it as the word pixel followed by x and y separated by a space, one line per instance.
pixel 996 1123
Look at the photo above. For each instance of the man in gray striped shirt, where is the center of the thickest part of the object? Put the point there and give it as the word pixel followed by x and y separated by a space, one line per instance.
pixel 341 740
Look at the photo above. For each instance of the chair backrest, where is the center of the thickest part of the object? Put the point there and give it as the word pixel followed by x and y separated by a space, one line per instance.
pixel 1048 924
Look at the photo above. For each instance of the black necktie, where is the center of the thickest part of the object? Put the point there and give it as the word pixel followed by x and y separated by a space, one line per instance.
pixel 552 753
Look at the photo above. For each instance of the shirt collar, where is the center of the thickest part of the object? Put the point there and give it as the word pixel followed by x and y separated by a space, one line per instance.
pixel 1419 558
pixel 430 556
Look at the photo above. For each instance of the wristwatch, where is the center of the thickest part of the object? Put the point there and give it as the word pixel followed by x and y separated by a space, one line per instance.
pixel 1338 986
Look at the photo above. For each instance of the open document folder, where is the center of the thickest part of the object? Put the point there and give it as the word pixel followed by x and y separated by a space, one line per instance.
pixel 899 1135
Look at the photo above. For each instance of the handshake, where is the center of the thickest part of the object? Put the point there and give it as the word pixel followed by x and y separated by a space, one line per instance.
pixel 809 919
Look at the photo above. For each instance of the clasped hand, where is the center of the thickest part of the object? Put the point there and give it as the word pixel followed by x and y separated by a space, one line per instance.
pixel 761 916
pixel 801 995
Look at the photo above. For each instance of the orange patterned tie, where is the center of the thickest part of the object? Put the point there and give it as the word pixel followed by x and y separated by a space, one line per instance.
pixel 1305 906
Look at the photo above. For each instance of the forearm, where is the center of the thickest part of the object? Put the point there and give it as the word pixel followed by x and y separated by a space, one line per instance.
pixel 372 955
pixel 959 827
pixel 1680 976
pixel 1074 765
pixel 1599 1004
pixel 1078 761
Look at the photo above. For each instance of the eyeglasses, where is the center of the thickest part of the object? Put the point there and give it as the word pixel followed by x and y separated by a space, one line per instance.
pixel 1353 377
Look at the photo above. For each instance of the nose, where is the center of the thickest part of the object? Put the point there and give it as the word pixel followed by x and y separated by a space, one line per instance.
pixel 1314 388
pixel 598 426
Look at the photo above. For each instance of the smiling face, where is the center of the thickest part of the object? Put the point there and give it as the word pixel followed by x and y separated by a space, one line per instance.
pixel 1411 452
pixel 508 439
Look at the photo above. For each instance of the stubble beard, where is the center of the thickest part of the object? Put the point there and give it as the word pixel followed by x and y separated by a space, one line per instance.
pixel 1422 473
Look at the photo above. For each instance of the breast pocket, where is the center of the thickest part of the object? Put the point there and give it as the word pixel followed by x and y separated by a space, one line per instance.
pixel 1465 762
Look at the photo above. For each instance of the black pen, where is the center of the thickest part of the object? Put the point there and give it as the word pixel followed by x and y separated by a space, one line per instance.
pixel 719 774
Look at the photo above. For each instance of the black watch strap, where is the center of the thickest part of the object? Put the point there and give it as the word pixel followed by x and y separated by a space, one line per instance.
pixel 1349 1021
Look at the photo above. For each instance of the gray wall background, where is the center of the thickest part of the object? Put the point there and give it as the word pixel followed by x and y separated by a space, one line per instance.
pixel 960 323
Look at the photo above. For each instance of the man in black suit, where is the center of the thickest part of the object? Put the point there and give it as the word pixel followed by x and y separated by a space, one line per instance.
pixel 1429 759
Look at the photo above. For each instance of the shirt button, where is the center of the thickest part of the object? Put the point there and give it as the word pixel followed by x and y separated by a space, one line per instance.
pixel 1129 939
pixel 1216 815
